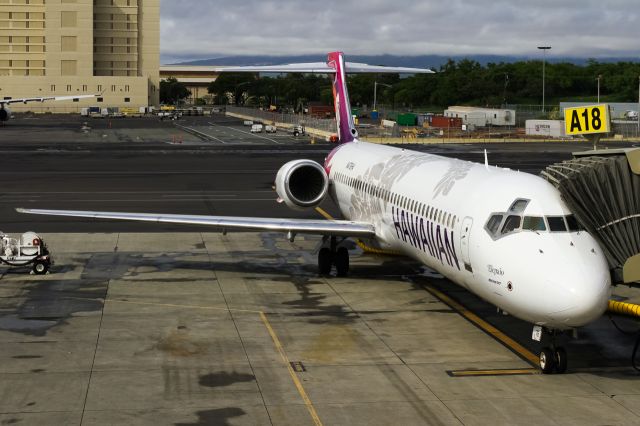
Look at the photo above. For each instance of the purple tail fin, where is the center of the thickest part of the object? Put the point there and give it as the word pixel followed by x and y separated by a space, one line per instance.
pixel 346 127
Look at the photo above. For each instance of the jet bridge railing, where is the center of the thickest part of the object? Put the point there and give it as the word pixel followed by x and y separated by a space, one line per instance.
pixel 602 188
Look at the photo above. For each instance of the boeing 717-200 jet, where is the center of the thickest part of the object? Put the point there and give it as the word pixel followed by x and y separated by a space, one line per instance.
pixel 506 236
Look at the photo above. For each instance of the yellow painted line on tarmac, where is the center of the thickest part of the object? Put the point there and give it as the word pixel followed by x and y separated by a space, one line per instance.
pixel 292 373
pixel 362 245
pixel 324 213
pixel 496 372
pixel 272 333
pixel 516 347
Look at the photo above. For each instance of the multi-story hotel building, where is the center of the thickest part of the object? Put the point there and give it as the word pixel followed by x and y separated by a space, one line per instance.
pixel 67 47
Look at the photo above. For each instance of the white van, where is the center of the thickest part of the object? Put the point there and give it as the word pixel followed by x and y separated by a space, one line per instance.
pixel 256 128
pixel 270 129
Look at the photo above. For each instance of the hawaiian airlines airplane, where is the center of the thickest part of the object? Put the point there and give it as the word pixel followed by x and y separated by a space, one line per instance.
pixel 5 112
pixel 504 235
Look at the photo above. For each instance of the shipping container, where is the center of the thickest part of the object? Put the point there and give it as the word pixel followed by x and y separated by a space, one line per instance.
pixel 548 128
pixel 482 117
pixel 407 119
pixel 321 111
pixel 446 122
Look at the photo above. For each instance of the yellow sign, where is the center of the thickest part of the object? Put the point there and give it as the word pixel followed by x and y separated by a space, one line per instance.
pixel 587 120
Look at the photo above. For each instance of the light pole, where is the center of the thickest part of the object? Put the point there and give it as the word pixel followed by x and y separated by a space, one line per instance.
pixel 544 52
pixel 599 78
pixel 375 92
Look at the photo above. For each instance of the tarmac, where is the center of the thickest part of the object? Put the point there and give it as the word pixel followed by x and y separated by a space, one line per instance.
pixel 140 324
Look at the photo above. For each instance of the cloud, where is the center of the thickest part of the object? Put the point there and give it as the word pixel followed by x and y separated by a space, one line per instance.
pixel 195 29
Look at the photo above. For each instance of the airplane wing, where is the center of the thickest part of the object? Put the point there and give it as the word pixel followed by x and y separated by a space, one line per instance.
pixel 43 99
pixel 323 68
pixel 228 223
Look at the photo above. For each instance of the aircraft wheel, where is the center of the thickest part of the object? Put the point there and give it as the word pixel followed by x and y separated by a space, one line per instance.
pixel 40 267
pixel 560 360
pixel 342 262
pixel 325 259
pixel 547 361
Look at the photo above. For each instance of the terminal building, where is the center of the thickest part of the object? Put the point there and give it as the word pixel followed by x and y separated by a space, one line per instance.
pixel 80 47
pixel 196 78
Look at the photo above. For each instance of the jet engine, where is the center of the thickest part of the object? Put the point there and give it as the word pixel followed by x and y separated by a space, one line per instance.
pixel 5 114
pixel 302 184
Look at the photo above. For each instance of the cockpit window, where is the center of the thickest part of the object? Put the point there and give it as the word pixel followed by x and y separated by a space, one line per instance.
pixel 533 223
pixel 574 226
pixel 556 224
pixel 494 224
pixel 518 206
pixel 511 224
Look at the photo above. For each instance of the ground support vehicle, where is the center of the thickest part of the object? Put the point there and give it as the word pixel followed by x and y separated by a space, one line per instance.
pixel 29 249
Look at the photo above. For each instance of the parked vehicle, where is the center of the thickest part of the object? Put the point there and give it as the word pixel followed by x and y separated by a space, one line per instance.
pixel 256 128
pixel 298 130
pixel 270 129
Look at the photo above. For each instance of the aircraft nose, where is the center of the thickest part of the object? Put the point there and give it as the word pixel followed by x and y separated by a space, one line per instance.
pixel 583 301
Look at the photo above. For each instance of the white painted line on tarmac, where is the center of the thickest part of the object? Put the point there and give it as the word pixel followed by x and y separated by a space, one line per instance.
pixel 248 133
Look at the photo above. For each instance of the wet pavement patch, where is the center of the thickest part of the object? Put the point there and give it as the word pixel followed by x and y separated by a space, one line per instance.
pixel 222 378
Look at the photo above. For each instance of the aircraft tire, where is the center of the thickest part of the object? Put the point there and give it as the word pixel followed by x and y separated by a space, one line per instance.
pixel 560 358
pixel 40 267
pixel 342 262
pixel 547 361
pixel 325 259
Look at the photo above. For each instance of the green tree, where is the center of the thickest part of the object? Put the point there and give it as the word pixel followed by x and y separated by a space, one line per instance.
pixel 235 84
pixel 172 91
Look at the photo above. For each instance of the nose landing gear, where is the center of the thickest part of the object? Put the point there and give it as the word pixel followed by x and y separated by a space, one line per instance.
pixel 333 255
pixel 553 358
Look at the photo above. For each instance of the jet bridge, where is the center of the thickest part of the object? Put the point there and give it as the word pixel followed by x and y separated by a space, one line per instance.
pixel 602 188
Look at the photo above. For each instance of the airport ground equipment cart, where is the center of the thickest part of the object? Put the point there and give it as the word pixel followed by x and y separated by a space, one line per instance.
pixel 29 249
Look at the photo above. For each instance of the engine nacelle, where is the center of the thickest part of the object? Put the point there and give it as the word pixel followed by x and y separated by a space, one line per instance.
pixel 5 114
pixel 302 184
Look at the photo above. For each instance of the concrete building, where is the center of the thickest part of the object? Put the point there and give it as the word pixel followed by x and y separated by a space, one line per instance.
pixel 196 77
pixel 67 47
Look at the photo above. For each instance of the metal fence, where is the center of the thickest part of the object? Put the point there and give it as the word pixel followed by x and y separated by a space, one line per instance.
pixel 328 125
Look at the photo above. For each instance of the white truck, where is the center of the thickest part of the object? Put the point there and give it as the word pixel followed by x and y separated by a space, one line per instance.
pixel 270 129
pixel 29 249
pixel 256 128
pixel 298 130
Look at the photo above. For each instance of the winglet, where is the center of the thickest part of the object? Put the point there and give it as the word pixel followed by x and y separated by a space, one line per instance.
pixel 346 127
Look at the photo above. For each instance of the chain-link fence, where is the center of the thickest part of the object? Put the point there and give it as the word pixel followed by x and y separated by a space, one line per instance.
pixel 327 125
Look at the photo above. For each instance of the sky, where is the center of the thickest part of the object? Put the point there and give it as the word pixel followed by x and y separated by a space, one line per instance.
pixel 203 29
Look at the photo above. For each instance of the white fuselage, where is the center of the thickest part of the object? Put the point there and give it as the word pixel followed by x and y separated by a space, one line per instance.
pixel 436 210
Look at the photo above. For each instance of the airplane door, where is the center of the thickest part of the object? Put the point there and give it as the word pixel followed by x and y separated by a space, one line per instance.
pixel 464 242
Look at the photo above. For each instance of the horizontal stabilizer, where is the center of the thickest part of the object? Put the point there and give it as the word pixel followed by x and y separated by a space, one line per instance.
pixel 323 68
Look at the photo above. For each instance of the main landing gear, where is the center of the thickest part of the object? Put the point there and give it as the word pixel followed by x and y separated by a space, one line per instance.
pixel 553 358
pixel 333 255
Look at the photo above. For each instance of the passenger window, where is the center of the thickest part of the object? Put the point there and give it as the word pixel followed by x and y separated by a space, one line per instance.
pixel 511 224
pixel 494 223
pixel 556 224
pixel 533 223
pixel 573 224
